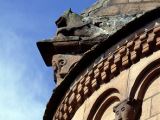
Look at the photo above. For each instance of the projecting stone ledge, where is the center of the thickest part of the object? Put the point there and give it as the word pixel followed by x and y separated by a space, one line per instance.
pixel 51 47
pixel 75 36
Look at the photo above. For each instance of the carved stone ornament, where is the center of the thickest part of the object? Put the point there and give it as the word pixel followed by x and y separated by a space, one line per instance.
pixel 72 26
pixel 62 64
pixel 126 110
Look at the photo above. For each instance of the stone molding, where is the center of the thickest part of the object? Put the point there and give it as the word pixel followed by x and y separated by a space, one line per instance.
pixel 141 45
pixel 144 80
pixel 97 54
pixel 116 7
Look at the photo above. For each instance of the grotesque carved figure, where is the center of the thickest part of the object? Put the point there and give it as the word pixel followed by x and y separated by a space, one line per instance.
pixel 69 20
pixel 72 29
pixel 72 26
pixel 126 110
pixel 62 65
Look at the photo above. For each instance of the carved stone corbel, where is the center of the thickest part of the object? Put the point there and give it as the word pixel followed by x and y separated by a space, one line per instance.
pixel 126 110
pixel 62 64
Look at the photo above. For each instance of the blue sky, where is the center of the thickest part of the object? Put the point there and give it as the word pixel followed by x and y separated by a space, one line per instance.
pixel 26 83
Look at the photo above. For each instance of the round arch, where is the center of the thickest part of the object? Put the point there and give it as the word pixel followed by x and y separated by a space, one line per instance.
pixel 142 84
pixel 103 102
pixel 144 80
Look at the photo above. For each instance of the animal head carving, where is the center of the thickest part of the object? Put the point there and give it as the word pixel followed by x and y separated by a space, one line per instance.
pixel 125 110
pixel 62 64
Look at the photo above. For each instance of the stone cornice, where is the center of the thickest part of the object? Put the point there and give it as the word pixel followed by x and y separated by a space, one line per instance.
pixel 102 72
pixel 128 52
pixel 48 48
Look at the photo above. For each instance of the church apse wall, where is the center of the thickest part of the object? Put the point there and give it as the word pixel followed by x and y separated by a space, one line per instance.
pixel 106 62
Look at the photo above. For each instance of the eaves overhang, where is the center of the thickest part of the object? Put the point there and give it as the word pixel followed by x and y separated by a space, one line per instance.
pixel 50 47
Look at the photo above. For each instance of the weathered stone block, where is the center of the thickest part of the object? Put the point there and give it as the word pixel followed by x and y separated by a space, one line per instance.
pixel 148 6
pixel 135 0
pixel 119 1
pixel 153 118
pixel 150 0
pixel 109 10
pixel 146 109
pixel 155 105
pixel 129 8
pixel 153 89
pixel 156 117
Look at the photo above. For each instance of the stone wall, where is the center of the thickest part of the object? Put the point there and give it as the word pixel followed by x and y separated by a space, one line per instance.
pixel 115 79
pixel 112 15
pixel 122 84
pixel 116 7
pixel 97 107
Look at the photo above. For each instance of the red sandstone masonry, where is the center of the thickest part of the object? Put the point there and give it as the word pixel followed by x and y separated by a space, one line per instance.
pixel 115 7
pixel 119 1
pixel 139 46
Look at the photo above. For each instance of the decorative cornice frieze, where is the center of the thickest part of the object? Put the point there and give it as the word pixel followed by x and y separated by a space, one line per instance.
pixel 140 45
